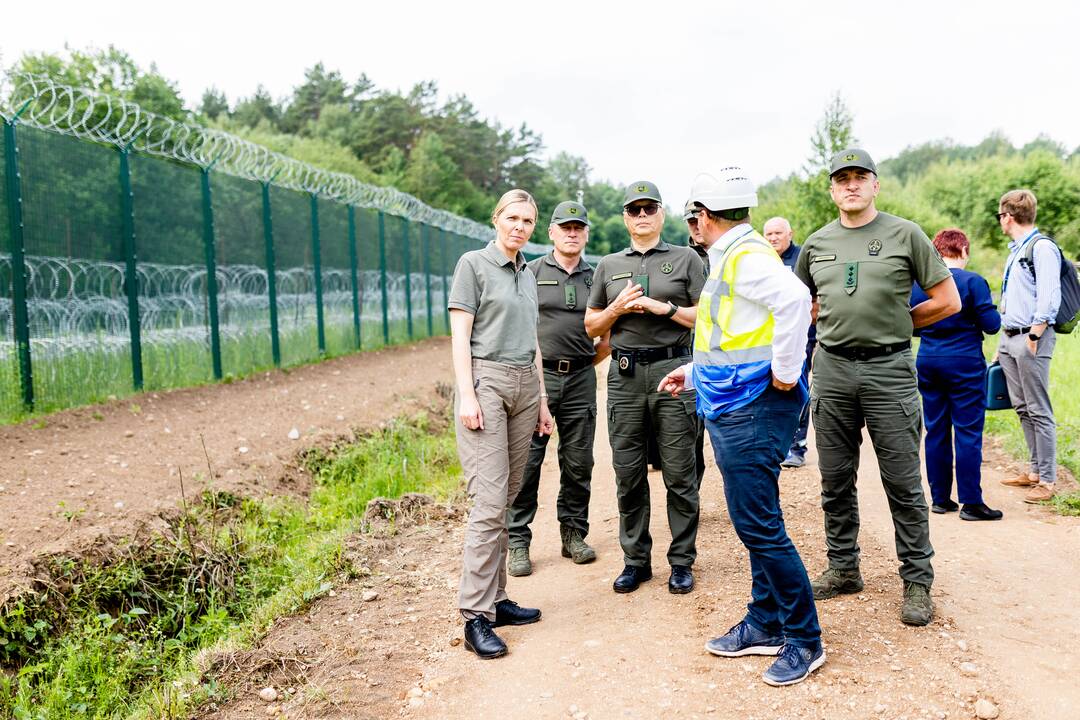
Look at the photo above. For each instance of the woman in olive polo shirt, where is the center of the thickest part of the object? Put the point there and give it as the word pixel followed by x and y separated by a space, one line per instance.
pixel 500 403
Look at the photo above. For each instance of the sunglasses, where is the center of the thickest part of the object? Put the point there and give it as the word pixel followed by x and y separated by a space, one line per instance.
pixel 1001 215
pixel 635 210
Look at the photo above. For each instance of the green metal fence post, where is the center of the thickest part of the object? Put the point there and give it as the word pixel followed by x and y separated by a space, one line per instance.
pixel 382 275
pixel 131 275
pixel 271 273
pixel 408 275
pixel 354 274
pixel 20 310
pixel 425 235
pixel 316 256
pixel 445 283
pixel 211 272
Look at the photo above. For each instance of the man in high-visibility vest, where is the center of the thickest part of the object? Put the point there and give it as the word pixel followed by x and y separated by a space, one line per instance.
pixel 749 348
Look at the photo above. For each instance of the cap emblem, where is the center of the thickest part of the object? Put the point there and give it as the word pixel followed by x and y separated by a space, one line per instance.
pixel 572 210
pixel 666 268
pixel 642 188
pixel 851 157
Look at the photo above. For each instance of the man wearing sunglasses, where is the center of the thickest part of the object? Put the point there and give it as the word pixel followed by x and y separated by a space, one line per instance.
pixel 646 296
pixel 860 269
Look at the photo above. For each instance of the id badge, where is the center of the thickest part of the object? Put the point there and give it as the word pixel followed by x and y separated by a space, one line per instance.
pixel 643 281
pixel 570 291
pixel 626 364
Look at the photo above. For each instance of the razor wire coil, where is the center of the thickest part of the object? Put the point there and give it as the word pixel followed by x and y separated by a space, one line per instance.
pixel 99 117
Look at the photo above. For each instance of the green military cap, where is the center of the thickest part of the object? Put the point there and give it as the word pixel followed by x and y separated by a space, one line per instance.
pixel 569 211
pixel 641 190
pixel 689 211
pixel 852 158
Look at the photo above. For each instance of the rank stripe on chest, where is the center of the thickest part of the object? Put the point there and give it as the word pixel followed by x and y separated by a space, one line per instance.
pixel 622 276
pixel 547 282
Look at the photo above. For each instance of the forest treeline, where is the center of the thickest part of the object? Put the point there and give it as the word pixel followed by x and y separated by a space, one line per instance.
pixel 443 151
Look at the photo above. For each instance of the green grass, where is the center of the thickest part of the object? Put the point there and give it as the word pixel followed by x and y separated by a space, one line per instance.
pixel 94 376
pixel 118 639
pixel 1065 397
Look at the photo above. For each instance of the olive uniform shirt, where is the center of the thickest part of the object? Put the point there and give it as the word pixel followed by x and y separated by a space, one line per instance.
pixel 675 274
pixel 862 278
pixel 501 295
pixel 562 299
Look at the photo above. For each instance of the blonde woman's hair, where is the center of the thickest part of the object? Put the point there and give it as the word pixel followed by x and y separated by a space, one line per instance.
pixel 511 197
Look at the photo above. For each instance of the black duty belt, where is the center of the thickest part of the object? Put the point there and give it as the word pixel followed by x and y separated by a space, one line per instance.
pixel 645 355
pixel 567 366
pixel 852 352
pixel 1013 332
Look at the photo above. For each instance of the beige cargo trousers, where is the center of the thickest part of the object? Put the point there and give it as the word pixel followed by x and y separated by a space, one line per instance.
pixel 493 462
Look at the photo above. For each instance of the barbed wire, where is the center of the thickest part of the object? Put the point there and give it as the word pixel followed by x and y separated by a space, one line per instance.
pixel 103 118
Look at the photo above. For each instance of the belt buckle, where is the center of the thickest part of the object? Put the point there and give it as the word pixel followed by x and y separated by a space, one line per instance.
pixel 563 366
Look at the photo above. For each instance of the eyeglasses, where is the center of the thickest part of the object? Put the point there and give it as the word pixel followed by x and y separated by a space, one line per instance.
pixel 635 210
pixel 1001 215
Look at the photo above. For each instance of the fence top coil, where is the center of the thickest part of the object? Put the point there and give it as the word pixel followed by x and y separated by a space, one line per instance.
pixel 102 118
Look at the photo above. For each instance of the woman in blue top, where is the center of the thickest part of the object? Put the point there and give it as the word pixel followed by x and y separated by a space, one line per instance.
pixel 952 380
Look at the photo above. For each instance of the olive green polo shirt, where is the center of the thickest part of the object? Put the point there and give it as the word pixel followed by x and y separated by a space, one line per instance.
pixel 862 278
pixel 675 274
pixel 563 297
pixel 501 295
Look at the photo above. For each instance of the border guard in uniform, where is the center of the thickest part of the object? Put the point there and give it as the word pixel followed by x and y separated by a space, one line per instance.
pixel 563 282
pixel 860 269
pixel 646 297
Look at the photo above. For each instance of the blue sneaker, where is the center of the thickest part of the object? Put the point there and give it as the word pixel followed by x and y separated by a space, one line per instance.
pixel 794 665
pixel 794 459
pixel 745 639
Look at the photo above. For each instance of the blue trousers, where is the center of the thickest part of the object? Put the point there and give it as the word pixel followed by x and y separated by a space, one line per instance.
pixel 798 444
pixel 954 409
pixel 749 444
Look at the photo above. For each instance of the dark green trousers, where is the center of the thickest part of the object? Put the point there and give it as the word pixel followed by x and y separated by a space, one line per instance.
pixel 882 394
pixel 633 405
pixel 572 401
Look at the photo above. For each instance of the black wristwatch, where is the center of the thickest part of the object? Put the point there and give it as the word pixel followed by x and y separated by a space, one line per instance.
pixel 674 309
pixel 1033 337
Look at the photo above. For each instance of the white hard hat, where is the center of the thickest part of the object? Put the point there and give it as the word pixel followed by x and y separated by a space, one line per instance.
pixel 731 190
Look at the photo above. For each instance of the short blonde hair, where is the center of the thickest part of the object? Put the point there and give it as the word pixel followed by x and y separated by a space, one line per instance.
pixel 1021 204
pixel 509 198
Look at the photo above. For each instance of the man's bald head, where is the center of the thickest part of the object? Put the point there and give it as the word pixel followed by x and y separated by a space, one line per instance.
pixel 778 233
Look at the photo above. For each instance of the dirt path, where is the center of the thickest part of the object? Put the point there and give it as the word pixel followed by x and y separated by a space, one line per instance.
pixel 84 477
pixel 601 655
pixel 1006 592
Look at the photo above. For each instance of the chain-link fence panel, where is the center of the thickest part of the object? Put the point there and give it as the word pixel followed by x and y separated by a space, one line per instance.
pixel 369 273
pixel 11 404
pixel 397 280
pixel 173 300
pixel 337 291
pixel 77 308
pixel 243 292
pixel 297 314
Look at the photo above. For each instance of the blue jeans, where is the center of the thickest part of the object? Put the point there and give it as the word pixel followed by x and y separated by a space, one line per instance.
pixel 798 445
pixel 749 444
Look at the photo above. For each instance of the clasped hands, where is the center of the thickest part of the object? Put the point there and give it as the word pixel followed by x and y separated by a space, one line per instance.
pixel 632 299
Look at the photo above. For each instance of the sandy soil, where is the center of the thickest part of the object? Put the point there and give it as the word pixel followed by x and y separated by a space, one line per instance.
pixel 82 478
pixel 1006 592
pixel 1005 630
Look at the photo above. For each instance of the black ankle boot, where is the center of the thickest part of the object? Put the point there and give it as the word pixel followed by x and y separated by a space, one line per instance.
pixel 482 640
pixel 508 612
pixel 979 511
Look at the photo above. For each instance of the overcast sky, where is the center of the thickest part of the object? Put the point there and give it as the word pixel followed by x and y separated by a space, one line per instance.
pixel 655 90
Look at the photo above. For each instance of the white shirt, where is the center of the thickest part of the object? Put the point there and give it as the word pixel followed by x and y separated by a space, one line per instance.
pixel 763 286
